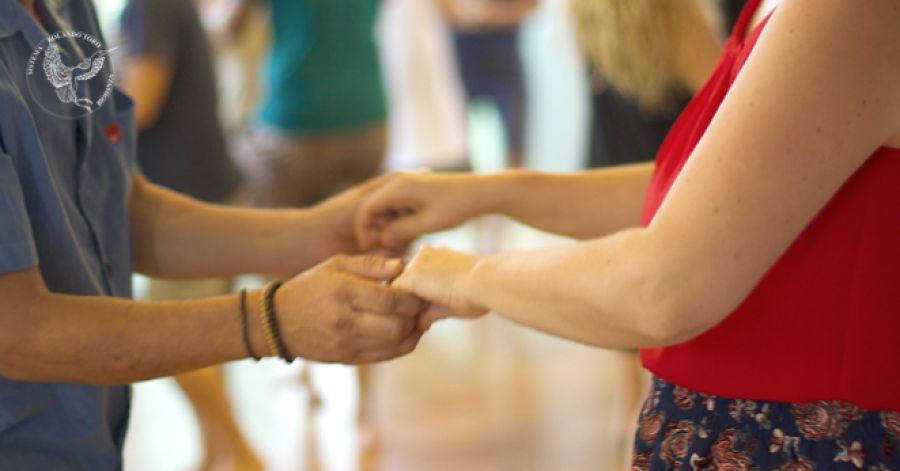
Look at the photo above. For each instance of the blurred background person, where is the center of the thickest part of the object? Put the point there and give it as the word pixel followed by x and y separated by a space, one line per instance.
pixel 486 39
pixel 646 59
pixel 322 124
pixel 239 38
pixel 168 72
pixel 424 93
pixel 731 10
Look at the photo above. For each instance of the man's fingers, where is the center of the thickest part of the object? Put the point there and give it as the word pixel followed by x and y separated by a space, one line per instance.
pixel 386 300
pixel 364 227
pixel 432 314
pixel 404 282
pixel 405 347
pixel 372 184
pixel 369 217
pixel 366 187
pixel 404 229
pixel 375 330
pixel 371 266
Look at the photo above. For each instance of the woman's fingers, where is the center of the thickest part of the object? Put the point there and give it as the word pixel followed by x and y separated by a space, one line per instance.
pixel 432 314
pixel 380 207
pixel 439 275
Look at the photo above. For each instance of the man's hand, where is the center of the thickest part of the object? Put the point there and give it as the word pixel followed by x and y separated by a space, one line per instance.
pixel 326 229
pixel 408 205
pixel 442 277
pixel 341 311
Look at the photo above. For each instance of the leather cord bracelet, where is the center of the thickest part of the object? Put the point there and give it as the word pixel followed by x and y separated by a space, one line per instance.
pixel 269 321
pixel 245 329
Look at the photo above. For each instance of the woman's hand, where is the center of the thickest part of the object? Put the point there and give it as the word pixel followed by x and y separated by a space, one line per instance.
pixel 442 277
pixel 341 311
pixel 408 205
pixel 327 229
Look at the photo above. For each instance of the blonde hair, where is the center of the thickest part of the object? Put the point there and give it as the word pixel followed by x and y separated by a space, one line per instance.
pixel 630 44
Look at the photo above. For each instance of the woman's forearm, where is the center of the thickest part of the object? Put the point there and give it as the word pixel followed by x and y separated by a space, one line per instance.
pixel 620 291
pixel 580 205
pixel 780 149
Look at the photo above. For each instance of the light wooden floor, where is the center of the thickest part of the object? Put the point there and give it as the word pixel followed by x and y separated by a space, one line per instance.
pixel 482 395
pixel 492 396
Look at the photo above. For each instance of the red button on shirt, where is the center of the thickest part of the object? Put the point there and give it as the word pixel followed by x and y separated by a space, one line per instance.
pixel 113 135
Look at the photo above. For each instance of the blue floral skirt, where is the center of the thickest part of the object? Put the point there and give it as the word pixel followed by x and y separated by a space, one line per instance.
pixel 685 430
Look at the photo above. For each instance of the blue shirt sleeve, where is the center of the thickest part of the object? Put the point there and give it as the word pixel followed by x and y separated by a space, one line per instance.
pixel 151 28
pixel 17 249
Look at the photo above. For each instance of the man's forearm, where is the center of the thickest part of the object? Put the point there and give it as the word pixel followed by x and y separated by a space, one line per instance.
pixel 581 205
pixel 178 237
pixel 97 340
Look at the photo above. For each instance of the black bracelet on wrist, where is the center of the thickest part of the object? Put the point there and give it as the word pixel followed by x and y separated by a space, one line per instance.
pixel 245 329
pixel 270 322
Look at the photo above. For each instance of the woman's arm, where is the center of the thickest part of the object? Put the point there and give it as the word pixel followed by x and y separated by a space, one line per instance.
pixel 816 98
pixel 581 205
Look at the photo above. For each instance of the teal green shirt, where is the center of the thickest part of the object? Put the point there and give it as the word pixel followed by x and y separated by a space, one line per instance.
pixel 323 72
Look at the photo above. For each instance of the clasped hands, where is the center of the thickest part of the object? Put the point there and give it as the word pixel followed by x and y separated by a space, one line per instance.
pixel 372 307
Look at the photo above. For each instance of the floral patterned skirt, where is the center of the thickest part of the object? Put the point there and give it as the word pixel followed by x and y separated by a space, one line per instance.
pixel 685 430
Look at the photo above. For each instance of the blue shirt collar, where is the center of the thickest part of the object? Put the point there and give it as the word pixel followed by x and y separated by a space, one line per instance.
pixel 13 16
pixel 9 17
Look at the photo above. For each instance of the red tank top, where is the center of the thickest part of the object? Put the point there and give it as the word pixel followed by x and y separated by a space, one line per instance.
pixel 824 322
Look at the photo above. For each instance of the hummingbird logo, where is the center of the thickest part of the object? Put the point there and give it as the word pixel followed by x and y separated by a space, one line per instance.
pixel 67 81
pixel 64 78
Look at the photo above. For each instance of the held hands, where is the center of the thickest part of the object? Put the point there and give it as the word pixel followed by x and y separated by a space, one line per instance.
pixel 327 229
pixel 345 309
pixel 444 278
pixel 341 311
pixel 408 205
pixel 401 207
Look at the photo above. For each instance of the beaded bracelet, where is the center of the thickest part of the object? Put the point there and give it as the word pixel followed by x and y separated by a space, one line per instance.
pixel 270 322
pixel 245 330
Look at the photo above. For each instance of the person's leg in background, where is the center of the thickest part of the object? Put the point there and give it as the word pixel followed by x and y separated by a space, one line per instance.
pixel 224 446
pixel 509 98
pixel 291 171
pixel 357 156
pixel 490 67
pixel 282 171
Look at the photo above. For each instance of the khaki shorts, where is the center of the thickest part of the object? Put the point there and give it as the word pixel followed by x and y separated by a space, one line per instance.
pixel 165 290
pixel 282 170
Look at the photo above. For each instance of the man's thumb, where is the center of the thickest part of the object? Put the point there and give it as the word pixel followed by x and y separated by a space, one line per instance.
pixel 373 266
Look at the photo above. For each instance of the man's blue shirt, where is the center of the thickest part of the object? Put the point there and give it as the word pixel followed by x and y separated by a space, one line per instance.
pixel 64 185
